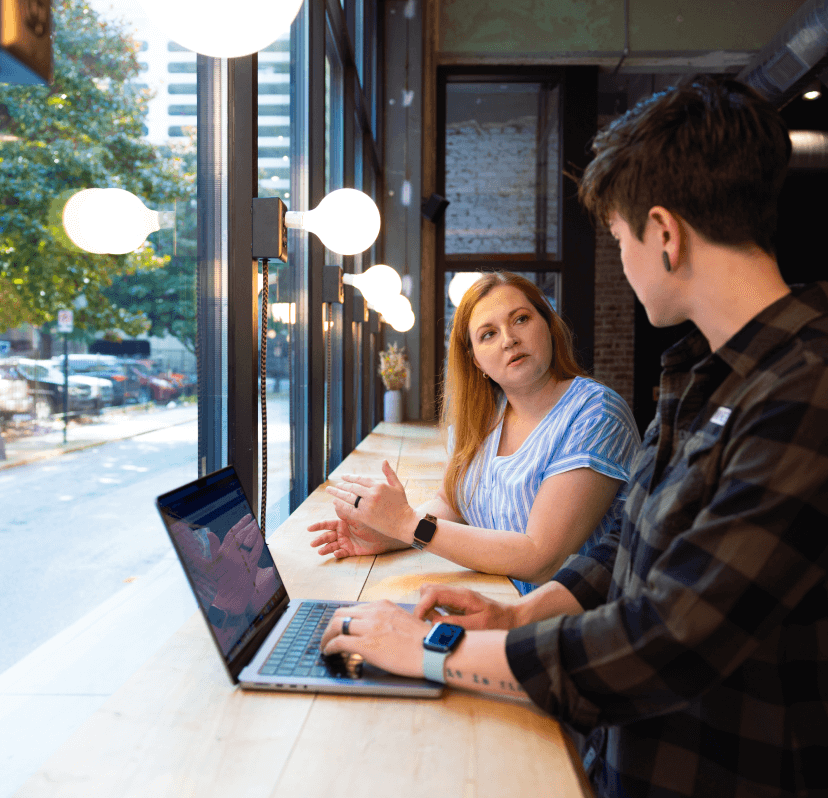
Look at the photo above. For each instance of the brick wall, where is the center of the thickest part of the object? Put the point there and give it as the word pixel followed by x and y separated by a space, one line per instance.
pixel 491 185
pixel 614 315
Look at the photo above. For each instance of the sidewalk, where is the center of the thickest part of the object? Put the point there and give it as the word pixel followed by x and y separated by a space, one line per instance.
pixel 115 424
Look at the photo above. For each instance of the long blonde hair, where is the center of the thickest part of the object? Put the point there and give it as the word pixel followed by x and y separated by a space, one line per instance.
pixel 470 400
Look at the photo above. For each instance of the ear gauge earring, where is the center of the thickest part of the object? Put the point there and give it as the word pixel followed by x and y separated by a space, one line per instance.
pixel 485 376
pixel 665 259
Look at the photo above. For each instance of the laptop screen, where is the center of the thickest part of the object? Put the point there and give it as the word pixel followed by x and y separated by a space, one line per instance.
pixel 224 555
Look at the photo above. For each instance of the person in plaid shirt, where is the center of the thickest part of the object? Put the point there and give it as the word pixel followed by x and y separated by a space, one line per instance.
pixel 690 648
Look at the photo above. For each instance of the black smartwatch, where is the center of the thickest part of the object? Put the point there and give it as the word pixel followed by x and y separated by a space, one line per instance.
pixel 424 532
pixel 437 645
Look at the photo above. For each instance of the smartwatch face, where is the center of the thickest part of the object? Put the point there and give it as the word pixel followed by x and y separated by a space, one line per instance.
pixel 443 637
pixel 425 529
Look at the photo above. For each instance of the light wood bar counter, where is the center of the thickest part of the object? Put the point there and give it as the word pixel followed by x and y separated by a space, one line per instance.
pixel 179 728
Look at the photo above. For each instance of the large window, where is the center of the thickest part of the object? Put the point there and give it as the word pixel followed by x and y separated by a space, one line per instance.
pixel 504 137
pixel 332 146
pixel 81 524
pixel 164 351
pixel 502 176
pixel 162 357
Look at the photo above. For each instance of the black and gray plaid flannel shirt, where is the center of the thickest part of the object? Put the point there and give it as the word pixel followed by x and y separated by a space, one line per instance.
pixel 703 650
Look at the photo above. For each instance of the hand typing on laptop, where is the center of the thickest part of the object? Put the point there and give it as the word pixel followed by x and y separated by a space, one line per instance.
pixel 382 633
pixel 387 636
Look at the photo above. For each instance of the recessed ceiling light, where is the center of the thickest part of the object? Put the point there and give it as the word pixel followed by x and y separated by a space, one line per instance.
pixel 813 91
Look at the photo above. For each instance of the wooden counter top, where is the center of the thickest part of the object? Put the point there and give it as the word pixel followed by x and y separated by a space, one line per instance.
pixel 179 728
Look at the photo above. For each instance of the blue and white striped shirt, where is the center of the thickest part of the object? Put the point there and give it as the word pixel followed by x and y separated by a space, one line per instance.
pixel 591 426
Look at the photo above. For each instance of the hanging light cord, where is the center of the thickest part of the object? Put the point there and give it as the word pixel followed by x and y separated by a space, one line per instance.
pixel 263 392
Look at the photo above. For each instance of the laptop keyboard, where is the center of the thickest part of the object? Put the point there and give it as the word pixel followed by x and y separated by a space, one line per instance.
pixel 297 653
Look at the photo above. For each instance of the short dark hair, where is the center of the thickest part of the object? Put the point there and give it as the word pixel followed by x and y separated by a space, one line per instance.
pixel 712 151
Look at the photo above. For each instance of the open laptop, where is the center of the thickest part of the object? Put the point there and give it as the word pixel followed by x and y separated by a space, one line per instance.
pixel 266 640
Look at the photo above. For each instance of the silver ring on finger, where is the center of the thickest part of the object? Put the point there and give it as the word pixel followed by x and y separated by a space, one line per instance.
pixel 356 502
pixel 346 625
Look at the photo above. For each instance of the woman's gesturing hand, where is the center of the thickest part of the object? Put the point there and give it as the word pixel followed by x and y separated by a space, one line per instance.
pixel 463 607
pixel 350 540
pixel 381 633
pixel 383 506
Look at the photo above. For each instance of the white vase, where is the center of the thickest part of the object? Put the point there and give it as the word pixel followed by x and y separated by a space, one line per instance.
pixel 393 407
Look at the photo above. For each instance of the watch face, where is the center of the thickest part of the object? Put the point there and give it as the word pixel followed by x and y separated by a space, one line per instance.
pixel 425 530
pixel 443 637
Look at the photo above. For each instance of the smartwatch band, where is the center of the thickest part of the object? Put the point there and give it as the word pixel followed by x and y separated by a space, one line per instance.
pixel 434 665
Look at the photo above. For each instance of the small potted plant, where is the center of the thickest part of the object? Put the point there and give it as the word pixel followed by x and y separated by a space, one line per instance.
pixel 394 371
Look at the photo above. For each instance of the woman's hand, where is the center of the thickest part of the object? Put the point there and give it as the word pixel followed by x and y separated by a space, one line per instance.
pixel 381 633
pixel 350 540
pixel 382 506
pixel 465 608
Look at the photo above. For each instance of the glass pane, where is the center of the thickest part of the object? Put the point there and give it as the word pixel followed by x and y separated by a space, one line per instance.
pixel 502 169
pixel 120 114
pixel 281 323
pixel 334 115
pixel 334 147
pixel 274 120
pixel 359 38
pixel 274 181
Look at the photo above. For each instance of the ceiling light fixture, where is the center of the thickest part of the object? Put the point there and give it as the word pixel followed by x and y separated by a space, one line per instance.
pixel 813 91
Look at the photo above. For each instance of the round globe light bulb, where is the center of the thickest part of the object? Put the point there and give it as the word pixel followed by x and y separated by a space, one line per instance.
pixel 398 313
pixel 347 221
pixel 403 323
pixel 220 29
pixel 108 221
pixel 460 283
pixel 377 284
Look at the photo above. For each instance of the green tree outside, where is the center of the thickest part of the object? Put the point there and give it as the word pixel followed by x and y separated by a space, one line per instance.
pixel 83 131
pixel 166 296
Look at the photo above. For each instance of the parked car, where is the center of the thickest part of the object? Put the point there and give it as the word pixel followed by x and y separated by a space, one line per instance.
pixel 153 388
pixel 126 385
pixel 14 393
pixel 86 394
pixel 187 384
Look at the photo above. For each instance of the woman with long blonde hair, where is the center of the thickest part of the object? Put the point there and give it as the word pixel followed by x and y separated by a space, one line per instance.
pixel 539 452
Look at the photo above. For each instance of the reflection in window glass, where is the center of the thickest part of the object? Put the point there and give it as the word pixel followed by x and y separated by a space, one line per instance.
pixel 333 315
pixel 274 181
pixel 130 427
pixel 502 169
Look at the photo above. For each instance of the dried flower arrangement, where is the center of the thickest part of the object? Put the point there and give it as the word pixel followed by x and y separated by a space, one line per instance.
pixel 394 368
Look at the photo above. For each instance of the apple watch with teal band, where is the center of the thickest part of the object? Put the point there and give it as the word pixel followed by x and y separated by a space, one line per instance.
pixel 439 643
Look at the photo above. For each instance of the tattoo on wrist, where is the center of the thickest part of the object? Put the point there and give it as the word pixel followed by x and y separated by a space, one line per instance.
pixel 509 687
